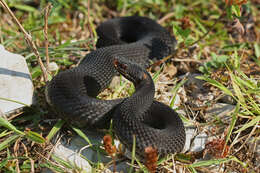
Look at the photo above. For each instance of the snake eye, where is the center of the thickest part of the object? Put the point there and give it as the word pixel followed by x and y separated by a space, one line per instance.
pixel 119 65
pixel 116 62
pixel 145 76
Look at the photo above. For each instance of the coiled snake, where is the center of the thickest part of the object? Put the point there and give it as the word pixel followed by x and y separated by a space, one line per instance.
pixel 125 45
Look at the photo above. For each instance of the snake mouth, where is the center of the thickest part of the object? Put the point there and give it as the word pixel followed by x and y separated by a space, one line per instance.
pixel 123 69
pixel 119 65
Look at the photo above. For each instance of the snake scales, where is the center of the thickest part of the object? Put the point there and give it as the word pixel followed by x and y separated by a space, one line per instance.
pixel 125 45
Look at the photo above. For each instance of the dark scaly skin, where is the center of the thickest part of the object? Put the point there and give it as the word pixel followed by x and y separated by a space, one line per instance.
pixel 153 123
pixel 73 92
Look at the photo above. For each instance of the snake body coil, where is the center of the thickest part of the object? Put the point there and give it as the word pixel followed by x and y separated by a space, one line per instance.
pixel 123 43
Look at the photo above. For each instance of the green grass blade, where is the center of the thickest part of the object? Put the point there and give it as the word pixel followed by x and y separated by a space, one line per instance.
pixel 193 170
pixel 237 90
pixel 216 84
pixel 175 91
pixel 249 124
pixel 245 82
pixel 257 50
pixel 5 99
pixel 5 133
pixel 81 134
pixel 36 137
pixel 203 29
pixel 5 123
pixel 214 162
pixel 143 169
pixel 24 7
pixel 55 129
pixel 62 162
pixel 186 120
pixel 3 163
pixel 133 154
pixel 53 167
pixel 155 77
pixel 233 122
pixel 8 141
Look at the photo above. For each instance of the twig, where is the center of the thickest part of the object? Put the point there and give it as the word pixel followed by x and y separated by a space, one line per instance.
pixel 15 149
pixel 17 169
pixel 111 12
pixel 32 165
pixel 159 62
pixel 209 30
pixel 123 12
pixel 45 32
pixel 169 15
pixel 186 60
pixel 28 39
pixel 250 134
pixel 53 148
pixel 89 25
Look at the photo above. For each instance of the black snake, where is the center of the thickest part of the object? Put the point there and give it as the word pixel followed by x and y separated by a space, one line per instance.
pixel 125 45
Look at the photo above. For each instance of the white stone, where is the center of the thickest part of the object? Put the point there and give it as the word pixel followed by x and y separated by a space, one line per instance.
pixel 199 142
pixel 78 147
pixel 221 110
pixel 194 142
pixel 53 66
pixel 190 133
pixel 15 81
pixel 72 157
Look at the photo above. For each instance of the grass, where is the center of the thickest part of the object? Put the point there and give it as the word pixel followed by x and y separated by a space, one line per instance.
pixel 207 45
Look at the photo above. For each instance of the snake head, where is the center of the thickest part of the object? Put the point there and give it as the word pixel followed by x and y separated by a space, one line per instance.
pixel 131 71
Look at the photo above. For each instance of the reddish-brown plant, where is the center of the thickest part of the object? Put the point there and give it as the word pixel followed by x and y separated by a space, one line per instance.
pixel 185 22
pixel 151 158
pixel 236 2
pixel 109 147
pixel 217 148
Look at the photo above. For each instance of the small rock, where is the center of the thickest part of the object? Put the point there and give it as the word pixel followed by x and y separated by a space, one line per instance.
pixel 77 146
pixel 16 83
pixel 73 157
pixel 254 144
pixel 221 110
pixel 53 66
pixel 227 99
pixel 194 142
pixel 199 142
pixel 190 132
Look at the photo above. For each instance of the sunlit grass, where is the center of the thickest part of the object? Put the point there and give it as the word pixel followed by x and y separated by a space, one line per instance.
pixel 70 36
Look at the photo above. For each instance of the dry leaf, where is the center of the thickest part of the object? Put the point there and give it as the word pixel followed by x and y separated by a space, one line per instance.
pixel 239 27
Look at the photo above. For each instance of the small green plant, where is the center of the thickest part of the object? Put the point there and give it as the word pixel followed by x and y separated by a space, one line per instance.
pixel 200 23
pixel 217 61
